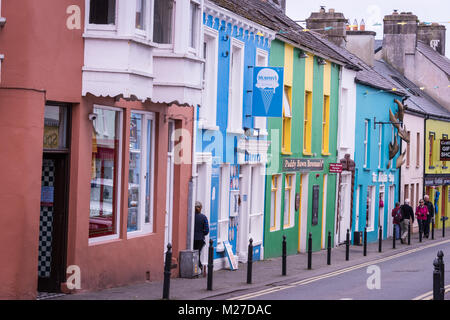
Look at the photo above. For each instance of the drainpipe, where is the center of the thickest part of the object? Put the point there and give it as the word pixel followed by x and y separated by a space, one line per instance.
pixel 424 150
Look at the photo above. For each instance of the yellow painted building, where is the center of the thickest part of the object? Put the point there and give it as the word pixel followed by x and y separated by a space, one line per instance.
pixel 437 172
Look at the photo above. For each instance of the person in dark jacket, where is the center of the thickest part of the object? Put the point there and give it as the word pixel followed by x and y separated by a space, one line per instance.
pixel 408 218
pixel 398 218
pixel 201 229
pixel 430 216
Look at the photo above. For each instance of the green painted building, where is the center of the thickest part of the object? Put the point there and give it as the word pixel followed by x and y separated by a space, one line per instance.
pixel 300 191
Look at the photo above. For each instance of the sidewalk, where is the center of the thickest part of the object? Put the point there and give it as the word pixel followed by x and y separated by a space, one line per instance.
pixel 265 273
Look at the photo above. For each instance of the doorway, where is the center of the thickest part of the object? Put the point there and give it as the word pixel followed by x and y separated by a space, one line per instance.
pixel 169 188
pixel 52 244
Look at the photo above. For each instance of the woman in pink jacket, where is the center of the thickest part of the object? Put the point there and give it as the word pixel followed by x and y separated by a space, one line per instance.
pixel 422 215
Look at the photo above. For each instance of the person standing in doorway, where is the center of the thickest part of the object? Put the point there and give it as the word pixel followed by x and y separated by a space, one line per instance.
pixel 201 229
pixel 398 217
pixel 422 215
pixel 430 217
pixel 408 218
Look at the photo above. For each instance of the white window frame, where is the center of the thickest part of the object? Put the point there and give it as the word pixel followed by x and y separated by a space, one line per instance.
pixel 261 122
pixel 224 196
pixel 371 211
pixel 145 33
pixel 277 206
pixel 235 112
pixel 208 111
pixel 366 143
pixel 291 218
pixel 101 27
pixel 196 28
pixel 146 228
pixel 118 171
pixel 163 45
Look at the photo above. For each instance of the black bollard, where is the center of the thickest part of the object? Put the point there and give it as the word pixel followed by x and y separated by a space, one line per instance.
pixel 210 265
pixel 284 262
pixel 329 249
pixel 440 256
pixel 167 273
pixel 250 261
pixel 380 238
pixel 365 241
pixel 409 233
pixel 420 234
pixel 437 292
pixel 347 246
pixel 393 239
pixel 309 251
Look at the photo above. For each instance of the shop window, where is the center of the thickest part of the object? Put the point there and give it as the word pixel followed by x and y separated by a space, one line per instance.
pixel 289 190
pixel 140 176
pixel 274 203
pixel 102 12
pixel 287 120
pixel 163 21
pixel 105 172
pixel 141 10
pixel 194 24
pixel 326 126
pixel 307 124
pixel 55 127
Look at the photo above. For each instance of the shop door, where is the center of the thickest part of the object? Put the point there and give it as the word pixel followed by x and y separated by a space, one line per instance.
pixel 344 207
pixel 53 223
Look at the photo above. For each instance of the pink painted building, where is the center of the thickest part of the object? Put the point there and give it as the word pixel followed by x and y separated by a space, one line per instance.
pixel 91 105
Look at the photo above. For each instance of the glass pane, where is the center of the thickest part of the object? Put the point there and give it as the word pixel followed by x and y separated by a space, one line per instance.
pixel 162 27
pixel 148 177
pixel 102 12
pixel 193 25
pixel 55 124
pixel 105 156
pixel 135 172
pixel 140 12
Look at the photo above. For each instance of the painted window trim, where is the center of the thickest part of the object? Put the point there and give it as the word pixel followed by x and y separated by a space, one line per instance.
pixel 307 123
pixel 209 116
pixel 371 221
pixel 116 235
pixel 101 28
pixel 147 228
pixel 326 126
pixel 224 196
pixel 291 202
pixel 277 206
pixel 287 121
pixel 165 46
pixel 235 112
pixel 196 28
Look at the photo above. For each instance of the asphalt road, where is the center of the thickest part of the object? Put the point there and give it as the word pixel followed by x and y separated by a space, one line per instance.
pixel 404 276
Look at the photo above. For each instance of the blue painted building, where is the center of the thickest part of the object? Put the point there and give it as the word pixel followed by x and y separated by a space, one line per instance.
pixel 231 144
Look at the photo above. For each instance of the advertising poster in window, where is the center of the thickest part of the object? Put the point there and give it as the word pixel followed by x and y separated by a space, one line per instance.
pixel 268 88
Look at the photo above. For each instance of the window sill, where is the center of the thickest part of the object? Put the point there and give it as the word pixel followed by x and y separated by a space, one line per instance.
pixel 307 153
pixel 326 154
pixel 206 126
pixel 97 34
pixel 235 131
pixel 104 240
pixel 286 153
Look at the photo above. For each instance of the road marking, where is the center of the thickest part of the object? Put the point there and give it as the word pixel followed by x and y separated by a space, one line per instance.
pixel 334 273
pixel 429 294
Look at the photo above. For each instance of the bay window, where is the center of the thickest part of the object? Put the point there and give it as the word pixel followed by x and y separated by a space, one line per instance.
pixel 194 24
pixel 102 12
pixel 105 172
pixel 163 21
pixel 140 177
pixel 141 8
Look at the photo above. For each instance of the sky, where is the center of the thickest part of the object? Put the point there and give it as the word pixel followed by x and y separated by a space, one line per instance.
pixel 373 12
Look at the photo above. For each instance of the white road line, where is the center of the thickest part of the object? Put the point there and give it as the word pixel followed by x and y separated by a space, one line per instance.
pixel 335 273
pixel 429 294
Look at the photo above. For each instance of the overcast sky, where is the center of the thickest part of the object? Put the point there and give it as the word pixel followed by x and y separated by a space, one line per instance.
pixel 373 11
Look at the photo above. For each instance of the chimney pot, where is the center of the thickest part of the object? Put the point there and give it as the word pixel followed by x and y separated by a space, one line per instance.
pixel 355 25
pixel 395 11
pixel 322 9
pixel 331 10
pixel 362 25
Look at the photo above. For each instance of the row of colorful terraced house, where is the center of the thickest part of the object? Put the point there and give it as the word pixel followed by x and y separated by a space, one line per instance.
pixel 127 113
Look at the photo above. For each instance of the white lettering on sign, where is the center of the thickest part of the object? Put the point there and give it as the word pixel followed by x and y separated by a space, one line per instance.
pixel 74 20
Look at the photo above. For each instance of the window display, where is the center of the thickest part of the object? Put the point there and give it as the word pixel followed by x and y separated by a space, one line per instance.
pixel 104 172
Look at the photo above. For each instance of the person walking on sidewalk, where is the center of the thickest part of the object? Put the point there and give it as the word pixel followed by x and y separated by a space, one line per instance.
pixel 430 216
pixel 408 218
pixel 201 229
pixel 422 215
pixel 398 217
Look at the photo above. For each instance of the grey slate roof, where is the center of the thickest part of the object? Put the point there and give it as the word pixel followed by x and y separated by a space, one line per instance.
pixel 269 16
pixel 418 100
pixel 442 62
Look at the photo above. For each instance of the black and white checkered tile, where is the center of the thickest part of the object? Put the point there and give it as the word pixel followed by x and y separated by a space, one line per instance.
pixel 45 224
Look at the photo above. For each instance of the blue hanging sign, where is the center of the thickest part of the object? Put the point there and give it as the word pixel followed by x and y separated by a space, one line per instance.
pixel 268 92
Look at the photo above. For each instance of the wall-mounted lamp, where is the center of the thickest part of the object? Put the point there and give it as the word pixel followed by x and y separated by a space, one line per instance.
pixel 321 61
pixel 302 55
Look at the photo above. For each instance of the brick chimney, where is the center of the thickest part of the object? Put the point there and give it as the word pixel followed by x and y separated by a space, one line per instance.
pixel 318 21
pixel 433 35
pixel 399 41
